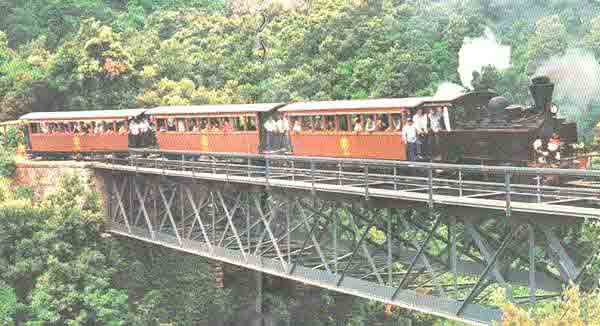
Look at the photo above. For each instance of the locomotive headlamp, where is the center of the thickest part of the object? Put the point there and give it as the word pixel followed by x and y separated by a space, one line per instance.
pixel 554 108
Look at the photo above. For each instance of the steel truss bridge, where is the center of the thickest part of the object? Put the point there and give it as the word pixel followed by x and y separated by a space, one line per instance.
pixel 434 238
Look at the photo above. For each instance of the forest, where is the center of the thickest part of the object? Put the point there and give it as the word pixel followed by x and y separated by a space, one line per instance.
pixel 58 267
pixel 113 54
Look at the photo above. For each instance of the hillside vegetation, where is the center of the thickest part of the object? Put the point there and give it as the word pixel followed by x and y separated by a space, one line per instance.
pixel 113 54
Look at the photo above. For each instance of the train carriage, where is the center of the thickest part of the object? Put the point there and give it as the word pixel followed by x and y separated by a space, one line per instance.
pixel 231 128
pixel 328 127
pixel 64 133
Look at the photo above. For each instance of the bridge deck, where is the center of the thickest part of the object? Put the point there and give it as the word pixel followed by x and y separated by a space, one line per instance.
pixel 522 198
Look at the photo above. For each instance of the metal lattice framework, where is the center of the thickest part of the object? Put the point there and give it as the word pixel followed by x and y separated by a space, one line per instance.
pixel 416 253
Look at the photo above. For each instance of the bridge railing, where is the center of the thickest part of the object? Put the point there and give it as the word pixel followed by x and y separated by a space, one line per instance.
pixel 578 188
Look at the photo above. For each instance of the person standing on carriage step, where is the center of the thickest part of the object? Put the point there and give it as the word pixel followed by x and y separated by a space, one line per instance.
pixel 284 129
pixel 420 121
pixel 144 133
pixel 409 133
pixel 134 131
pixel 436 121
pixel 270 128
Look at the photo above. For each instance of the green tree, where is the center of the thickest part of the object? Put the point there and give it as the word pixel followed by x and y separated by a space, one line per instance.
pixel 549 38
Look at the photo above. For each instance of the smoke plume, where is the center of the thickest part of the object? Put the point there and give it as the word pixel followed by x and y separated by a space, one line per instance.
pixel 576 76
pixel 479 52
pixel 449 90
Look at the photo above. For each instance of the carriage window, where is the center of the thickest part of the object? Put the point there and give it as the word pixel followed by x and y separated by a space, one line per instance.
pixel 395 122
pixel 343 123
pixel 236 124
pixel 35 128
pixel 329 123
pixel 250 124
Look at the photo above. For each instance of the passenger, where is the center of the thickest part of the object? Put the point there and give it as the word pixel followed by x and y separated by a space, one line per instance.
pixel 216 127
pixel 420 121
pixel 283 125
pixel 123 128
pixel 379 125
pixel 108 129
pixel 370 125
pixel 297 126
pixel 358 126
pixel 409 132
pixel 134 132
pixel 195 128
pixel 436 121
pixel 539 151
pixel 171 124
pixel 180 125
pixel 330 126
pixel 270 128
pixel 553 148
pixel 227 126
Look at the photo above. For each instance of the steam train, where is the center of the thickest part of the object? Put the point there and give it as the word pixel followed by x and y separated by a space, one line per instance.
pixel 480 127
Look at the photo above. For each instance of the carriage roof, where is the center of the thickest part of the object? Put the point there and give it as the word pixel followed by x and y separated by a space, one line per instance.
pixel 82 115
pixel 368 106
pixel 218 109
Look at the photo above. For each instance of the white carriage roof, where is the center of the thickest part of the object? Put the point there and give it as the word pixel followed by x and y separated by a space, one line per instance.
pixel 213 109
pixel 383 103
pixel 83 115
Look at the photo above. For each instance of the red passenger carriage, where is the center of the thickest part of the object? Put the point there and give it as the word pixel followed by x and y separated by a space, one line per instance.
pixel 65 133
pixel 231 128
pixel 329 128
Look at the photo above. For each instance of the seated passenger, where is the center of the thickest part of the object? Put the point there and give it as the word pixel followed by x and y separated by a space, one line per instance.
pixel 123 129
pixel 181 125
pixel 171 124
pixel 108 129
pixel 195 128
pixel 358 126
pixel 227 126
pixel 370 125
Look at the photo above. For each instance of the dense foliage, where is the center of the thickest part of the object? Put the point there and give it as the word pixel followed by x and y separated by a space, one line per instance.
pixel 58 268
pixel 93 54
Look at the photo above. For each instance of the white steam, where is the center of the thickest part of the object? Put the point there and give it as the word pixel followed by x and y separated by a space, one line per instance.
pixel 479 52
pixel 448 90
pixel 576 76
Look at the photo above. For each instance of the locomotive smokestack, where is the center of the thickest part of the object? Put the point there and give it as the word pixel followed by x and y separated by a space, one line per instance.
pixel 541 89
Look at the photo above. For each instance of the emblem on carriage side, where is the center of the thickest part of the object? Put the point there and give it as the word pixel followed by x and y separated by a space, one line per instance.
pixel 76 143
pixel 345 146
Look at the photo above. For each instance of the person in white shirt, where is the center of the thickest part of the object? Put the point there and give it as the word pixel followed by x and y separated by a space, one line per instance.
pixel 370 125
pixel 271 129
pixel 409 133
pixel 436 120
pixel 297 126
pixel 420 121
pixel 283 126
pixel 358 126
pixel 134 132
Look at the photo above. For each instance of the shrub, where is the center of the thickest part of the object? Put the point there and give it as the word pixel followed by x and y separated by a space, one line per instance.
pixel 24 192
pixel 7 164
